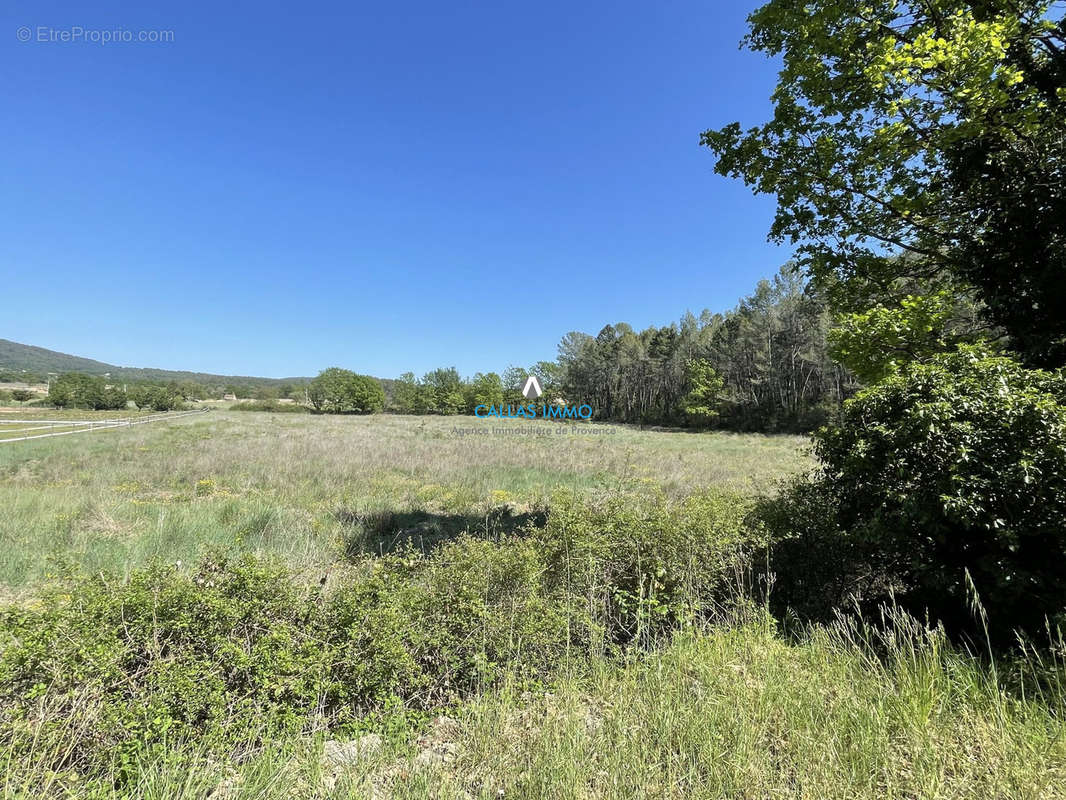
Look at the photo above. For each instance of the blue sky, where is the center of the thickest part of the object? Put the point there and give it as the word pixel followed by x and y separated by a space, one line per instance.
pixel 380 186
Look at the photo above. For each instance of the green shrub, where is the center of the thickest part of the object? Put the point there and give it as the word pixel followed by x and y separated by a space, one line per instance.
pixel 949 468
pixel 248 648
pixel 646 566
pixel 245 644
pixel 272 406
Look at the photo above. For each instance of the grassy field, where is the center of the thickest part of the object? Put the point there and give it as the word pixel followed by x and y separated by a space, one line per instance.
pixel 16 424
pixel 299 485
pixel 726 708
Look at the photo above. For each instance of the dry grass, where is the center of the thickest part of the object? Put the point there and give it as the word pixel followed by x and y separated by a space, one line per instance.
pixel 295 484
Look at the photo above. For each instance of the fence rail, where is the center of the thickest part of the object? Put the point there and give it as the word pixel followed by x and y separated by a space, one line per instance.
pixel 83 425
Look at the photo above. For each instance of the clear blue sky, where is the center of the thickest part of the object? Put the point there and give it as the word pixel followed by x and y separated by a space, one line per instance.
pixel 380 186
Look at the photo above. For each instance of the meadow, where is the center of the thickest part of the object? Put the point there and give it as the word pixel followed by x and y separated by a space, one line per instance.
pixel 295 484
pixel 535 614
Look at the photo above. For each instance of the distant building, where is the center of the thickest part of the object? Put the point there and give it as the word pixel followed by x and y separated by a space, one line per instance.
pixel 229 397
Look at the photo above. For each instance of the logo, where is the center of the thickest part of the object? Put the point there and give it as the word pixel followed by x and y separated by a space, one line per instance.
pixel 533 411
pixel 531 391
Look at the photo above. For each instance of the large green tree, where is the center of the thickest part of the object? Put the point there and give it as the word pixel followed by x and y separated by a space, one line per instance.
pixel 700 403
pixel 918 143
pixel 341 391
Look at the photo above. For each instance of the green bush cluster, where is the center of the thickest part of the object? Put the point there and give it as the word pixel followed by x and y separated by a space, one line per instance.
pixel 75 390
pixel 340 391
pixel 947 477
pixel 270 405
pixel 245 643
pixel 157 397
pixel 644 567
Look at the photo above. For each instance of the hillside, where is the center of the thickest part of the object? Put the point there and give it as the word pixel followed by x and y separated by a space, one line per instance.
pixel 16 357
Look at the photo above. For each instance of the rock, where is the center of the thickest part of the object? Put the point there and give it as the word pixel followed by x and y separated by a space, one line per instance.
pixel 227 789
pixel 437 746
pixel 428 759
pixel 339 755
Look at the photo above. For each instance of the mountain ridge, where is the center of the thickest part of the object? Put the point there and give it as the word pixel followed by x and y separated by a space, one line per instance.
pixel 18 357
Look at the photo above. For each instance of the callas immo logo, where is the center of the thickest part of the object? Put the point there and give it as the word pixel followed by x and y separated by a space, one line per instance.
pixel 531 391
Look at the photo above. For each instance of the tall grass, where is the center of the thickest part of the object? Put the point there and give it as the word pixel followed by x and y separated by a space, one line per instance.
pixel 726 713
pixel 293 484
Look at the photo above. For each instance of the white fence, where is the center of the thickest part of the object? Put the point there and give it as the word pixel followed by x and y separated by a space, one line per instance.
pixel 83 426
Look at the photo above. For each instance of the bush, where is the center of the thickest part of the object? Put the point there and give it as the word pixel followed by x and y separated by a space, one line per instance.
pixel 647 566
pixel 247 648
pixel 949 468
pixel 272 406
pixel 339 391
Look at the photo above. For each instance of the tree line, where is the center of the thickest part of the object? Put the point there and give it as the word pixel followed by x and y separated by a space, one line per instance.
pixel 765 365
pixel 78 390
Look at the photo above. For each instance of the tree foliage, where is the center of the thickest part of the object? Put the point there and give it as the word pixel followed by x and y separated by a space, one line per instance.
pixel 875 343
pixel 770 353
pixel 445 390
pixel 340 391
pixel 932 130
pixel 705 385
pixel 949 469
pixel 157 397
pixel 76 390
pixel 484 390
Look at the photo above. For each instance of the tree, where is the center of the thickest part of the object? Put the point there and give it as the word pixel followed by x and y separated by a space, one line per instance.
pixel 445 387
pixel 484 390
pixel 770 352
pixel 700 403
pixel 876 343
pixel 367 395
pixel 21 395
pixel 340 391
pixel 156 397
pixel 328 391
pixel 409 396
pixel 931 130
pixel 265 393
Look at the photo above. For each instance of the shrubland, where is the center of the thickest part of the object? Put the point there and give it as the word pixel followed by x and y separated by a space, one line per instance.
pixel 272 406
pixel 609 639
pixel 615 650
pixel 241 643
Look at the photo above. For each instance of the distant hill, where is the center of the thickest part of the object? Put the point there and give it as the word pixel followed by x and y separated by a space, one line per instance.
pixel 15 357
